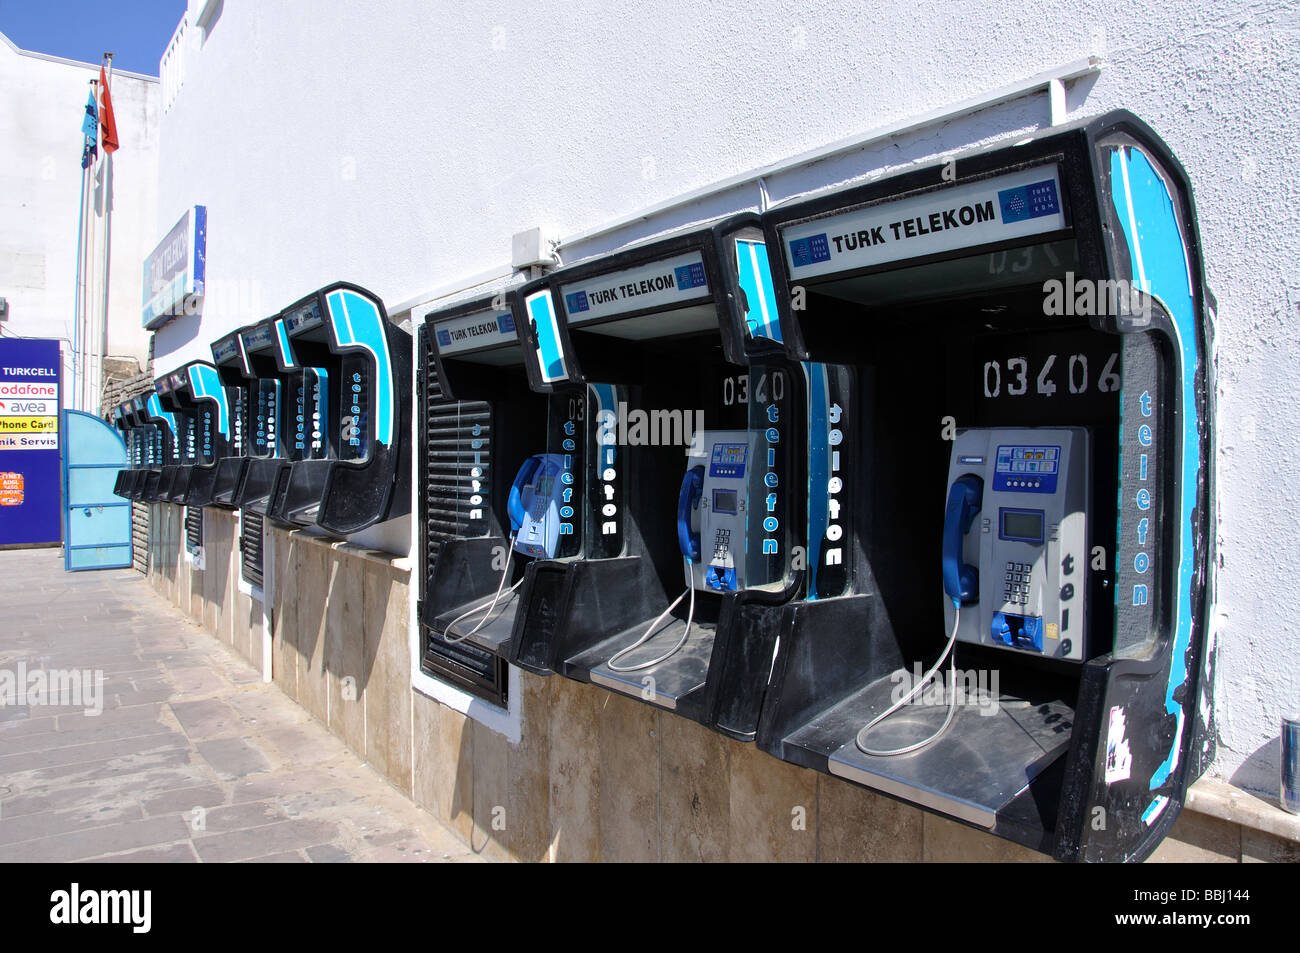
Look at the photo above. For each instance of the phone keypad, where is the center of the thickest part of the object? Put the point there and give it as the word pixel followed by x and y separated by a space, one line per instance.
pixel 1017 581
pixel 721 544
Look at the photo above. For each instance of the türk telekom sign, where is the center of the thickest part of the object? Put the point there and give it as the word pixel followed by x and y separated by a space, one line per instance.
pixel 174 272
pixel 29 442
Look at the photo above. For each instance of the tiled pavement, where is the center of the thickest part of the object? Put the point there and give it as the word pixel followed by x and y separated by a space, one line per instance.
pixel 193 757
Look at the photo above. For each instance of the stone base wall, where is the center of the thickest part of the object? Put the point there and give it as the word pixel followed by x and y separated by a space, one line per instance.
pixel 595 775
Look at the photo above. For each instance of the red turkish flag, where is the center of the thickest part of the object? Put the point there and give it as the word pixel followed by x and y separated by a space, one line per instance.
pixel 106 121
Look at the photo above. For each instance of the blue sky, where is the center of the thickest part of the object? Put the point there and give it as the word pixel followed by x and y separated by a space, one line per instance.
pixel 135 31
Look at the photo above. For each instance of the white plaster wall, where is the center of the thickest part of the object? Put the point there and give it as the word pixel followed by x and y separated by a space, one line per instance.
pixel 400 143
pixel 42 101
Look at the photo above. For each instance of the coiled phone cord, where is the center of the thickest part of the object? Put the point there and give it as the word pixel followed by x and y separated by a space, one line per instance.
pixel 446 635
pixel 649 633
pixel 952 702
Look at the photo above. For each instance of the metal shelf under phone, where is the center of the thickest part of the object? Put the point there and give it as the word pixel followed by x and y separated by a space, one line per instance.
pixel 676 677
pixel 973 771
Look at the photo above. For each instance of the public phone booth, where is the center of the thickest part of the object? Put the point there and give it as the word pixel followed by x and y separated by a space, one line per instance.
pixel 350 457
pixel 270 415
pixel 146 446
pixel 212 432
pixel 235 377
pixel 170 389
pixel 499 458
pixel 693 473
pixel 1010 564
pixel 124 420
pixel 152 487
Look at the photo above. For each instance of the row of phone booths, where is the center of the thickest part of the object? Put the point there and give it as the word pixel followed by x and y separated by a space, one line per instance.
pixel 908 482
pixel 299 420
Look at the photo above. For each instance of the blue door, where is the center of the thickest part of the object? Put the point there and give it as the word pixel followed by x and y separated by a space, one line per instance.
pixel 96 522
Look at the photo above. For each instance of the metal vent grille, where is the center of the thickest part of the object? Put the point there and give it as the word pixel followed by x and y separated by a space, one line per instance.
pixel 193 528
pixel 450 430
pixel 251 528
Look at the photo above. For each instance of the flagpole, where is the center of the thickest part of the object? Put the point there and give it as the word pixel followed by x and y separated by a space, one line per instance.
pixel 83 268
pixel 76 306
pixel 108 240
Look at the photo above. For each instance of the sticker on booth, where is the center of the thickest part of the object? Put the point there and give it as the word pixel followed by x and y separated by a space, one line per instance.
pixel 11 489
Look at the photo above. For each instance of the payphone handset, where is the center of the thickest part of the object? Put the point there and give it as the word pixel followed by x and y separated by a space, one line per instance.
pixel 534 510
pixel 534 505
pixel 711 520
pixel 1015 554
pixel 711 510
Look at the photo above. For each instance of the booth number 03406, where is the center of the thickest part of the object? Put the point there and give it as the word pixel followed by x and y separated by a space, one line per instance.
pixel 1017 376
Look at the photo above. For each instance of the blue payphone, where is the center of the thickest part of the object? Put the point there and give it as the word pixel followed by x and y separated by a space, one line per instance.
pixel 500 485
pixel 271 413
pixel 693 476
pixel 1010 534
pixel 235 376
pixel 351 458
pixel 164 456
pixel 136 434
pixel 170 391
pixel 212 429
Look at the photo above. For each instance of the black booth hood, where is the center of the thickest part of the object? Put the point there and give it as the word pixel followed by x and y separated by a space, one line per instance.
pixel 695 254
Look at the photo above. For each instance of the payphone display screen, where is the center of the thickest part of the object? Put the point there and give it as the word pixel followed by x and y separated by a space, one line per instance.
pixel 354 412
pixel 1024 526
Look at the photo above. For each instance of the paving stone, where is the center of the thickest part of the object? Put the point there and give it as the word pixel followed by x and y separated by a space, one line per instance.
pixel 328 854
pixel 284 835
pixel 25 827
pixel 79 845
pixel 184 799
pixel 287 857
pixel 233 757
pixel 206 718
pixel 182 853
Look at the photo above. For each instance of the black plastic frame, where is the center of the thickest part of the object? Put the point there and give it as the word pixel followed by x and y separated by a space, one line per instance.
pixel 824 656
pixel 344 496
pixel 265 475
pixel 572 607
pixel 232 367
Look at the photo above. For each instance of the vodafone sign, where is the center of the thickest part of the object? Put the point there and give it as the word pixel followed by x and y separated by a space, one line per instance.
pixel 23 389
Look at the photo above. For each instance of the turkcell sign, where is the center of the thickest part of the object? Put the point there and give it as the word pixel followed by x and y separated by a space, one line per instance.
pixel 661 284
pixel 174 271
pixel 29 442
pixel 473 332
pixel 998 209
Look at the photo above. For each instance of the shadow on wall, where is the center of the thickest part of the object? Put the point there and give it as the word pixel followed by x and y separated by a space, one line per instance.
pixel 1261 771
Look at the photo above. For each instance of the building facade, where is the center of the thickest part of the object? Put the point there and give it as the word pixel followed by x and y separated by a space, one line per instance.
pixel 401 146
